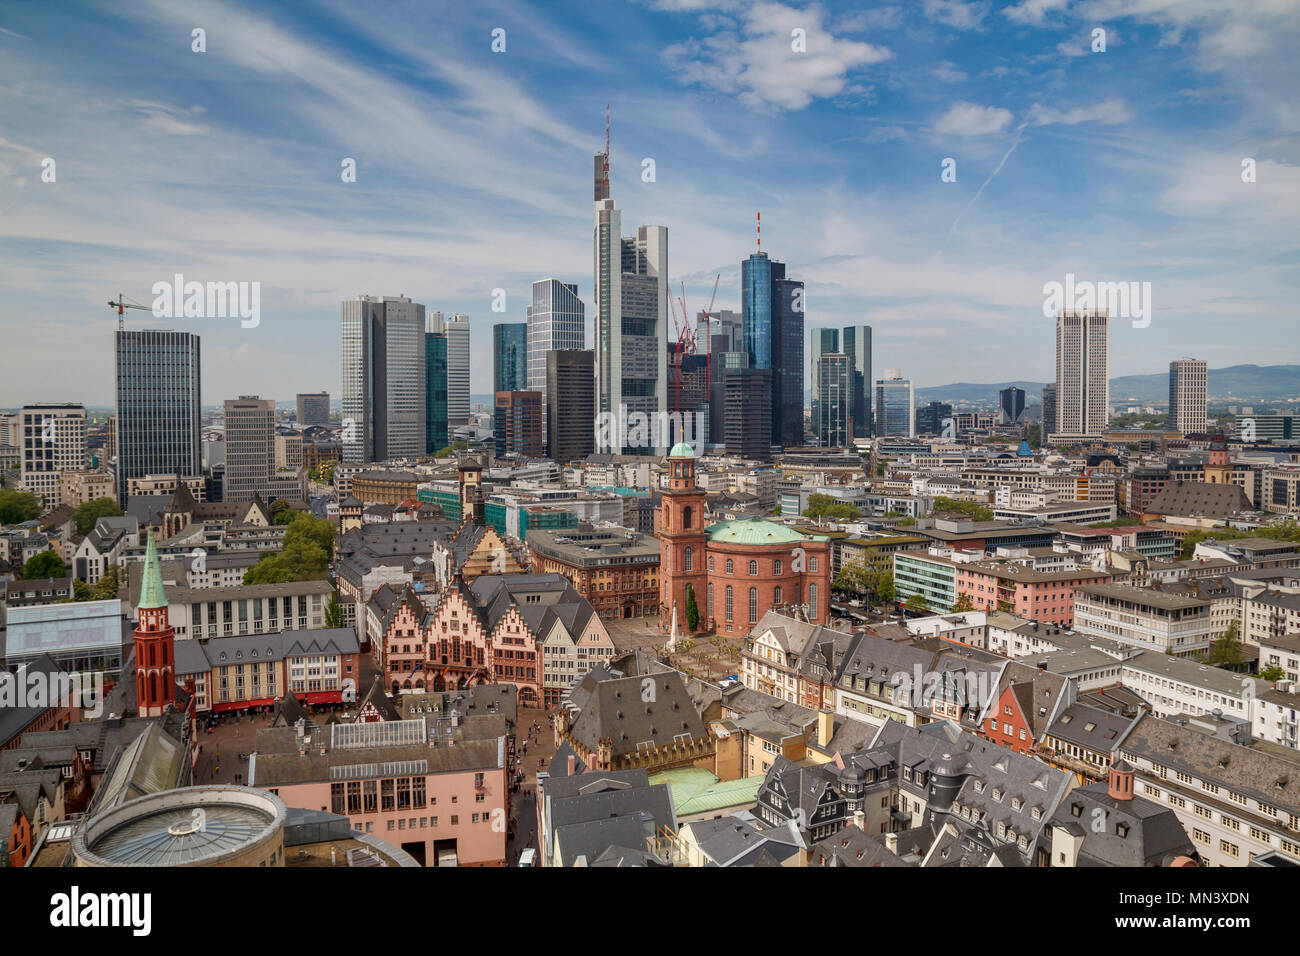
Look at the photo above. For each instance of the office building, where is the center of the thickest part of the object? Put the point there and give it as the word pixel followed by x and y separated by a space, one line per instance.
pixel 556 322
pixel 930 420
pixel 570 404
pixel 250 448
pixel 457 331
pixel 436 435
pixel 774 331
pixel 509 356
pixel 1083 373
pixel 895 401
pixel 158 415
pixel 1011 401
pixel 383 354
pixel 313 409
pixel 1188 384
pixel 52 441
pixel 834 399
pixel 631 314
pixel 856 341
pixel 720 331
pixel 747 432
pixel 1049 411
pixel 517 424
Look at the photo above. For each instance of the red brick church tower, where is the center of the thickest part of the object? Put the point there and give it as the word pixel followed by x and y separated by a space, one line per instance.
pixel 155 648
pixel 682 541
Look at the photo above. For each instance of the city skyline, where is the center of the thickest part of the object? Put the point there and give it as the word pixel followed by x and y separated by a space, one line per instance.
pixel 172 161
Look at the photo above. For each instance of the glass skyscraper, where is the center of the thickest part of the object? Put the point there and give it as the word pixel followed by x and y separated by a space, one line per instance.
pixel 556 323
pixel 435 392
pixel 772 306
pixel 158 415
pixel 857 346
pixel 895 405
pixel 509 351
pixel 834 378
pixel 383 378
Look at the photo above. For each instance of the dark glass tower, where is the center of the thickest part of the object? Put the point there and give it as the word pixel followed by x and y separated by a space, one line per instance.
pixel 510 357
pixel 857 346
pixel 158 414
pixel 772 306
pixel 435 392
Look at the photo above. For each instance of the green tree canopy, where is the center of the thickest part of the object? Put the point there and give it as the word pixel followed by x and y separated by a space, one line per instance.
pixel 972 509
pixel 18 506
pixel 87 514
pixel 1227 650
pixel 692 609
pixel 824 506
pixel 47 564
pixel 334 611
pixel 1273 673
pixel 917 602
pixel 109 584
pixel 1285 530
pixel 963 603
pixel 308 545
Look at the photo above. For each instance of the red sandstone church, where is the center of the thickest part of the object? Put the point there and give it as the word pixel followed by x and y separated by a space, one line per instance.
pixel 738 570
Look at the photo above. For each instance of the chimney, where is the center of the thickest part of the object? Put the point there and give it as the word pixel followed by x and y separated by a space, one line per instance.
pixel 891 842
pixel 825 728
pixel 1121 781
pixel 573 764
pixel 860 820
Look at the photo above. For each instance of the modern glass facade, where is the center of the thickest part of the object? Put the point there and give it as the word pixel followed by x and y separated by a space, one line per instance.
pixel 435 392
pixel 756 306
pixel 834 380
pixel 158 415
pixel 895 407
pixel 556 322
pixel 509 356
pixel 383 376
pixel 857 346
pixel 772 306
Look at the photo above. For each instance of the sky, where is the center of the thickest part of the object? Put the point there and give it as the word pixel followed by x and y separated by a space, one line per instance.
pixel 474 171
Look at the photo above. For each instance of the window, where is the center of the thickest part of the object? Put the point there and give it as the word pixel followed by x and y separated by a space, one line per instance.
pixel 710 562
pixel 776 566
pixel 753 605
pixel 812 600
pixel 753 568
pixel 727 598
pixel 812 563
pixel 731 566
pixel 776 594
pixel 688 558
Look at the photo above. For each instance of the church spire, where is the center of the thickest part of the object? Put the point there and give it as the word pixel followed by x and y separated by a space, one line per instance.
pixel 152 594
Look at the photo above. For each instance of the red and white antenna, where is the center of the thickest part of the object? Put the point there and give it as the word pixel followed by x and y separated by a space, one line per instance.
pixel 758 229
pixel 606 171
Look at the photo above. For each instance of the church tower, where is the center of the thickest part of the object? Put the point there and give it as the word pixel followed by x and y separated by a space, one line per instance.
pixel 682 542
pixel 1219 469
pixel 155 649
pixel 470 473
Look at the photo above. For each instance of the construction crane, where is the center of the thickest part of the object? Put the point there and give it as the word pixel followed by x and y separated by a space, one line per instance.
pixel 688 343
pixel 121 305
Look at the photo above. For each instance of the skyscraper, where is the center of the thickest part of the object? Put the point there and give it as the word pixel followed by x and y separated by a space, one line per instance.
pixel 436 436
pixel 1011 401
pixel 747 432
pixel 250 447
pixel 517 424
pixel 158 414
pixel 383 354
pixel 313 409
pixel 556 322
pixel 774 333
pixel 458 359
pixel 857 346
pixel 1049 411
pixel 571 404
pixel 1188 390
pixel 52 440
pixel 1082 372
pixel 631 314
pixel 509 356
pixel 825 341
pixel 834 377
pixel 930 419
pixel 895 405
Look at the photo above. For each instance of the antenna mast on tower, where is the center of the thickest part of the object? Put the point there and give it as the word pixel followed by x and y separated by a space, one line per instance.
pixel 606 149
pixel 758 229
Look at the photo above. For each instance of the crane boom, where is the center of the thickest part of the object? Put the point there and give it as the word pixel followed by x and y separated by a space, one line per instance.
pixel 121 305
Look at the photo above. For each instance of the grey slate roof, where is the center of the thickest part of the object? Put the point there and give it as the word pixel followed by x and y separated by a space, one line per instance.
pixel 618 710
pixel 1137 832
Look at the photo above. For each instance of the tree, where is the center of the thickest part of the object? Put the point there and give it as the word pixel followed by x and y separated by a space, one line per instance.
pixel 824 506
pixel 1273 673
pixel 1227 650
pixel 455 446
pixel 80 592
pixel 692 609
pixel 853 576
pixel 87 514
pixel 334 611
pixel 308 545
pixel 917 604
pixel 883 585
pixel 107 587
pixel 18 506
pixel 47 564
pixel 907 522
pixel 777 511
pixel 972 509
pixel 963 603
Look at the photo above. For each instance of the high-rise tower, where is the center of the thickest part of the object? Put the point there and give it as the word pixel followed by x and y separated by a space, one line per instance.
pixel 682 540
pixel 158 414
pixel 1083 372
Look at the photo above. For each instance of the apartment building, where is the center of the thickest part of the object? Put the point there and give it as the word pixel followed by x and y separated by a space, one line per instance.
pixel 1145 618
pixel 244 609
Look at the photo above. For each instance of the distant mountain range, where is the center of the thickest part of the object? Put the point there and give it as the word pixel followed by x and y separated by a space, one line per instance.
pixel 1244 383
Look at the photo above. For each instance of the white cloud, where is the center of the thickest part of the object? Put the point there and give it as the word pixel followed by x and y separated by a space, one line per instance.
pixel 947 72
pixel 758 64
pixel 971 119
pixel 1109 112
pixel 958 14
pixel 1033 12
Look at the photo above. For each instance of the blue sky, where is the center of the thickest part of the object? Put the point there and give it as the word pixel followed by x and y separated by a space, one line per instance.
pixel 474 170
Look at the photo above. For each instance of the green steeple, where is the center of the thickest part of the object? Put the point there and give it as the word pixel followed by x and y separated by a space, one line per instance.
pixel 151 583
